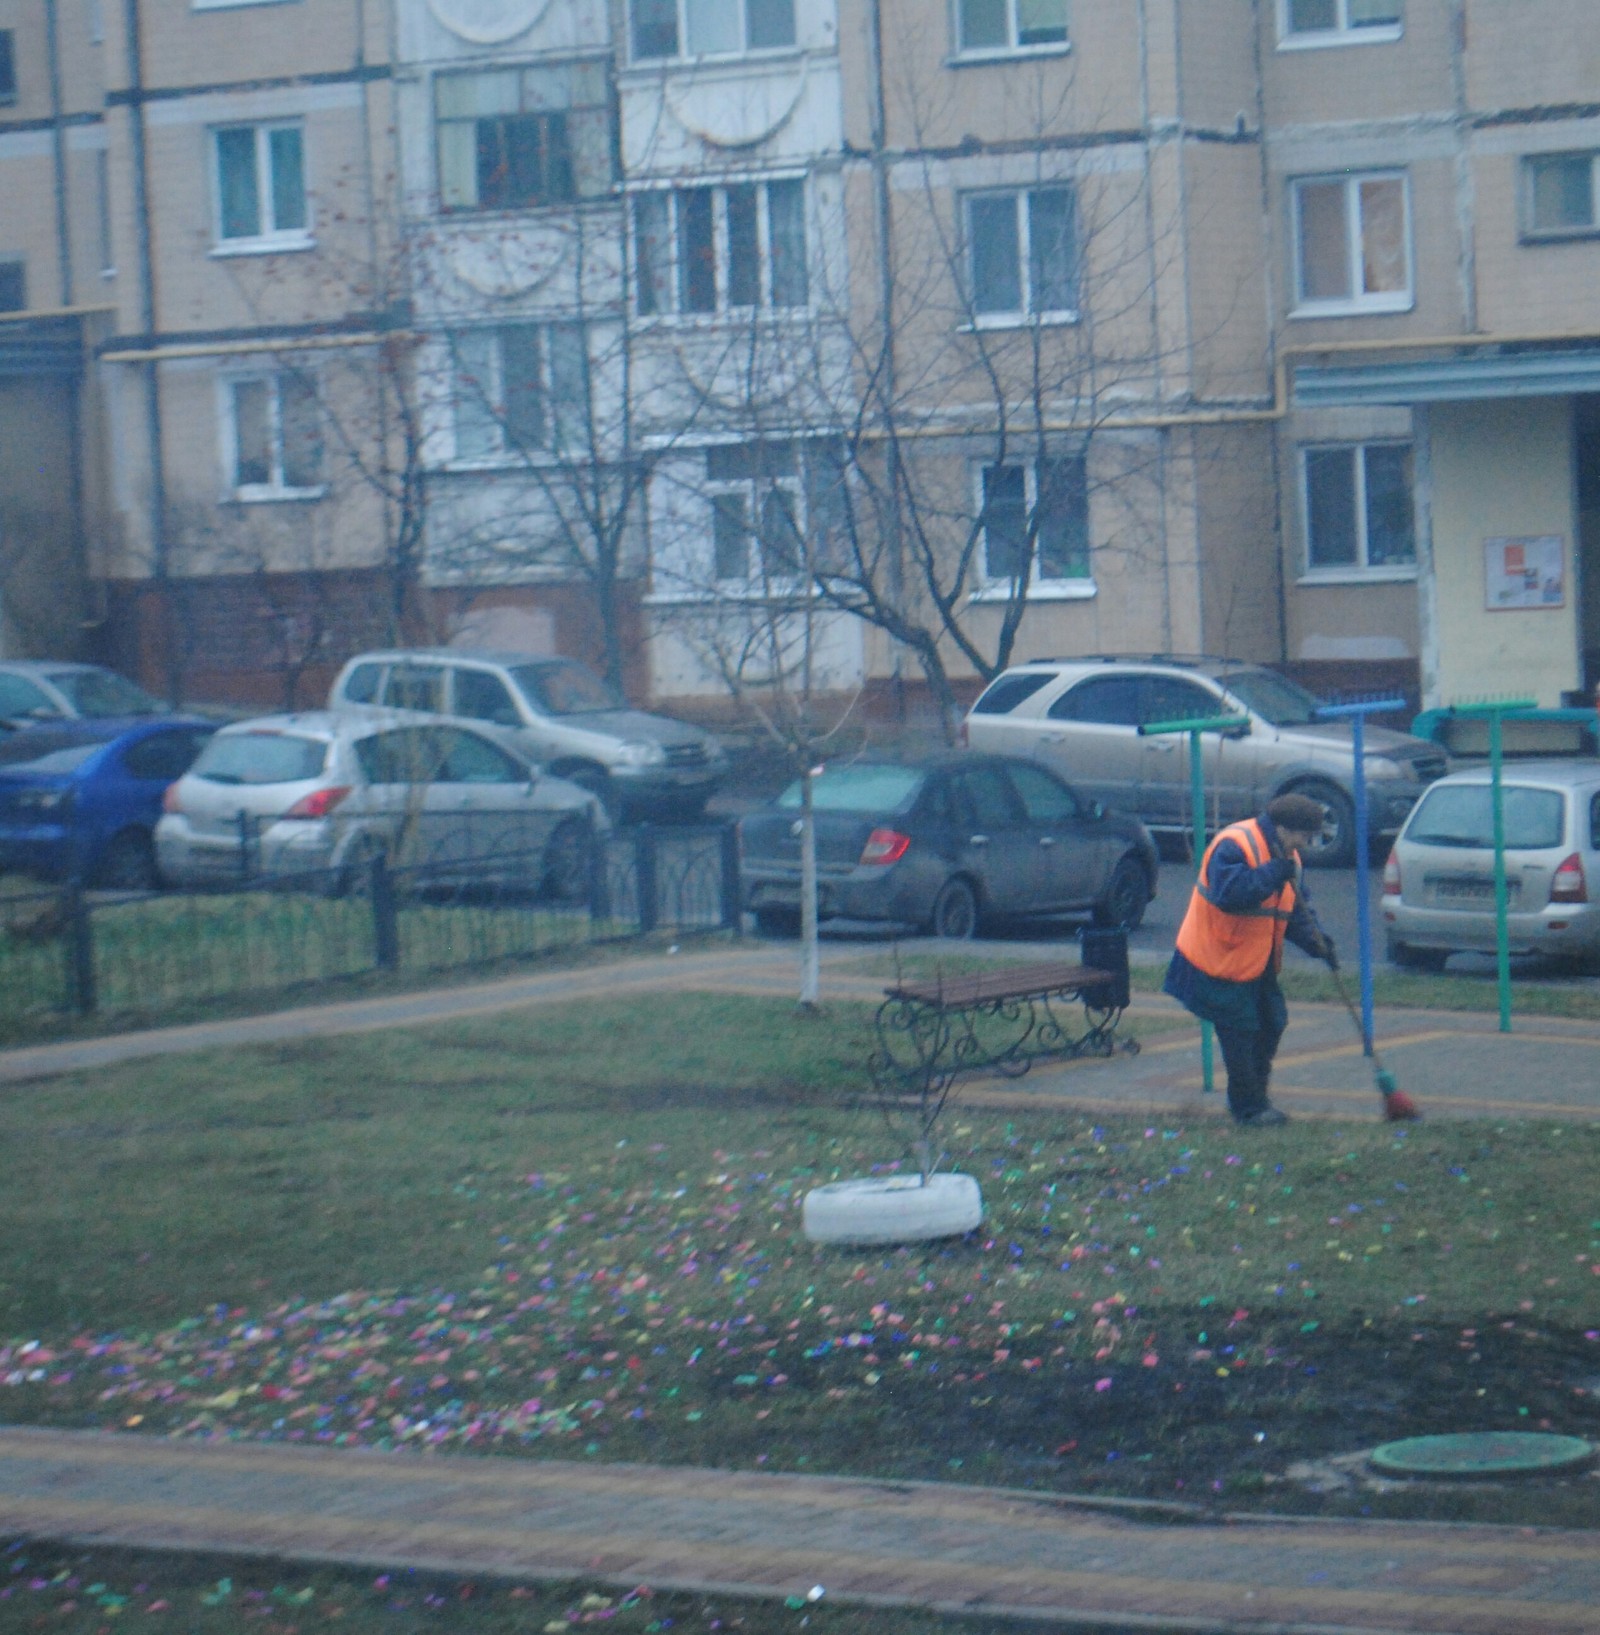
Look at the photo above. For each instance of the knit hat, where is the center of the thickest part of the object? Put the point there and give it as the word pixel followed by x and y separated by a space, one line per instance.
pixel 1297 812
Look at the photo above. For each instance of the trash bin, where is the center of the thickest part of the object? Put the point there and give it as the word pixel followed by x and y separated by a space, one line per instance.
pixel 1105 948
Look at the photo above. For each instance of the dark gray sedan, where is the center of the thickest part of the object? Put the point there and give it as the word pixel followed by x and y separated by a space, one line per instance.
pixel 944 845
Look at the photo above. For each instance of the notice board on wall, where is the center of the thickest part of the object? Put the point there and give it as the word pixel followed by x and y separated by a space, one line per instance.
pixel 1524 573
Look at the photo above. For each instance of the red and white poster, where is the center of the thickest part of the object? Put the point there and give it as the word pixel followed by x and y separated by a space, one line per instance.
pixel 1524 573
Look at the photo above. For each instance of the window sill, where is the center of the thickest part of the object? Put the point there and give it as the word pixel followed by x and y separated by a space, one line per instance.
pixel 1558 235
pixel 1002 55
pixel 731 592
pixel 1353 309
pixel 776 56
pixel 721 320
pixel 232 5
pixel 1357 576
pixel 274 496
pixel 1018 320
pixel 472 213
pixel 1047 590
pixel 1326 39
pixel 287 244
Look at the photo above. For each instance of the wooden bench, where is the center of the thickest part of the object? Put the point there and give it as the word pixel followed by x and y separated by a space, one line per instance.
pixel 932 1032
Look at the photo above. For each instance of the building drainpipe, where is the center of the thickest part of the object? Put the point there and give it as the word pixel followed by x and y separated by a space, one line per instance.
pixel 147 289
pixel 58 138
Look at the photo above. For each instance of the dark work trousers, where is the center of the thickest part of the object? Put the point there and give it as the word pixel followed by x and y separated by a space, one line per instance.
pixel 1247 1054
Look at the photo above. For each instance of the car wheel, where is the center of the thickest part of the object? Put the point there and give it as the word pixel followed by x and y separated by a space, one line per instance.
pixel 1415 959
pixel 778 922
pixel 128 863
pixel 955 910
pixel 1337 847
pixel 1126 895
pixel 565 877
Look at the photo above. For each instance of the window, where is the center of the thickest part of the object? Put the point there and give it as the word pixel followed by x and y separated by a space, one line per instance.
pixel 1010 25
pixel 13 287
pixel 261 186
pixel 989 800
pixel 706 28
pixel 766 499
pixel 1004 695
pixel 163 756
pixel 1043 799
pixel 1165 698
pixel 1023 253
pixel 484 697
pixel 8 66
pixel 1340 22
pixel 1358 507
pixel 720 249
pixel 519 138
pixel 518 388
pixel 102 191
pixel 1559 195
pixel 1107 701
pixel 1035 522
pixel 1352 249
pixel 275 437
pixel 20 699
pixel 415 687
pixel 362 686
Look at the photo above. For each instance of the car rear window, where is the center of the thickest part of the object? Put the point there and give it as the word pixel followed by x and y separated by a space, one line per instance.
pixel 361 685
pixel 261 757
pixel 1003 695
pixel 1463 815
pixel 864 789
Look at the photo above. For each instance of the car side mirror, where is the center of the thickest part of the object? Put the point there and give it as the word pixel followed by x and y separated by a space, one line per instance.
pixel 1096 810
pixel 1240 731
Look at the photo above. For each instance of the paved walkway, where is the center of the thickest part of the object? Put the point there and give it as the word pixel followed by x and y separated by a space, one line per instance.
pixel 906 1544
pixel 1455 1064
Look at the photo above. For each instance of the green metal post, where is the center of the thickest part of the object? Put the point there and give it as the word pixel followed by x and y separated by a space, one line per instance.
pixel 1502 934
pixel 1197 816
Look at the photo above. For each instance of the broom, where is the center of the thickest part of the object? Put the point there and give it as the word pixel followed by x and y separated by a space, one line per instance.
pixel 1397 1105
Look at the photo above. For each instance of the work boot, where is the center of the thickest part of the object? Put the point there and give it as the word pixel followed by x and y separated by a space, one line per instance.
pixel 1262 1118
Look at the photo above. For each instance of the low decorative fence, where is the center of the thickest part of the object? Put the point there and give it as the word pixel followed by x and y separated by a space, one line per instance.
pixel 68 950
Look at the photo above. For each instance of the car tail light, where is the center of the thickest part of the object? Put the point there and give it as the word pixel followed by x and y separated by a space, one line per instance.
pixel 885 846
pixel 169 801
pixel 1568 885
pixel 318 803
pixel 1391 876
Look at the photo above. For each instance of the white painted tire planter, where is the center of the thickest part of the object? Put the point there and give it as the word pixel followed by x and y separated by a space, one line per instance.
pixel 892 1209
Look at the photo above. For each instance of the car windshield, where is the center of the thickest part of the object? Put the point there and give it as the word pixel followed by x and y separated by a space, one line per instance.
pixel 104 692
pixel 1463 815
pixel 863 789
pixel 261 757
pixel 564 689
pixel 54 762
pixel 1273 697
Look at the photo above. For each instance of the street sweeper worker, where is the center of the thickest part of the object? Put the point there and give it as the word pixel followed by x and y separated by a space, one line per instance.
pixel 1248 899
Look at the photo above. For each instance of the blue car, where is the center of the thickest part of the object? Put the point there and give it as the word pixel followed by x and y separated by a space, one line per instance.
pixel 79 799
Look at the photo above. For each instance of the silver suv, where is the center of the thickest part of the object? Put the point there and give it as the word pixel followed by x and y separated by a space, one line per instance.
pixel 557 713
pixel 1081 718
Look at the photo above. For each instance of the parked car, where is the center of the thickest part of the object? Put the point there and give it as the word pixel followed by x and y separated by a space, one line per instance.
pixel 324 791
pixel 80 799
pixel 42 690
pixel 1081 718
pixel 946 844
pixel 1438 885
pixel 554 711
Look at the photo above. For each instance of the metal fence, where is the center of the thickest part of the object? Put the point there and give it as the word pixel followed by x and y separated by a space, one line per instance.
pixel 258 936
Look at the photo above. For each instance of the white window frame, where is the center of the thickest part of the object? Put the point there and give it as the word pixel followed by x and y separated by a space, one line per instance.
pixel 233 5
pixel 1053 588
pixel 743 49
pixel 275 489
pixel 554 441
pixel 1359 302
pixel 267 240
pixel 1024 315
pixel 1533 234
pixel 1361 570
pixel 1012 48
pixel 1342 33
pixel 721 310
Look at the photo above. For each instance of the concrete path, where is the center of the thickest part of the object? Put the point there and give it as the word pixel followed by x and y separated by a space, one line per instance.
pixel 971 1550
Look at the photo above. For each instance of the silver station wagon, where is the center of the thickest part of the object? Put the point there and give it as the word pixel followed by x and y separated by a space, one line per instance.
pixel 1438 886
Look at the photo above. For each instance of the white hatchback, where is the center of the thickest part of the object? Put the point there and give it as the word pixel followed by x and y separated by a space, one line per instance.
pixel 1438 886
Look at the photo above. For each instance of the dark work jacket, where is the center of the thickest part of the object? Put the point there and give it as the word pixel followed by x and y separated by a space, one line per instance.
pixel 1236 887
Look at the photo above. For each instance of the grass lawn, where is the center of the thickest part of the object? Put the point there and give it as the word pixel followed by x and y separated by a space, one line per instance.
pixel 574 1231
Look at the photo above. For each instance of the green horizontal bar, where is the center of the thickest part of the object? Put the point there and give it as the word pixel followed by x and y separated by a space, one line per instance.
pixel 1499 707
pixel 1199 723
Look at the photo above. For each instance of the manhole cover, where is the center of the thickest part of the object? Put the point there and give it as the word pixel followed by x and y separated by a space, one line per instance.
pixel 1482 1453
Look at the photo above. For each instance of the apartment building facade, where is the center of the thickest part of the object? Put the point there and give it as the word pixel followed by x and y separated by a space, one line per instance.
pixel 980 329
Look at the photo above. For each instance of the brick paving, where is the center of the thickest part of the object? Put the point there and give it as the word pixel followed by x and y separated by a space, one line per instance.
pixel 917 1544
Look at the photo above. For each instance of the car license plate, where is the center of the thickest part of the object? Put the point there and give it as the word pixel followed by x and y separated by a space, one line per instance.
pixel 1460 890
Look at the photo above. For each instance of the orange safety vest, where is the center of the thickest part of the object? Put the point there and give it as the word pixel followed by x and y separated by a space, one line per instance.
pixel 1236 947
